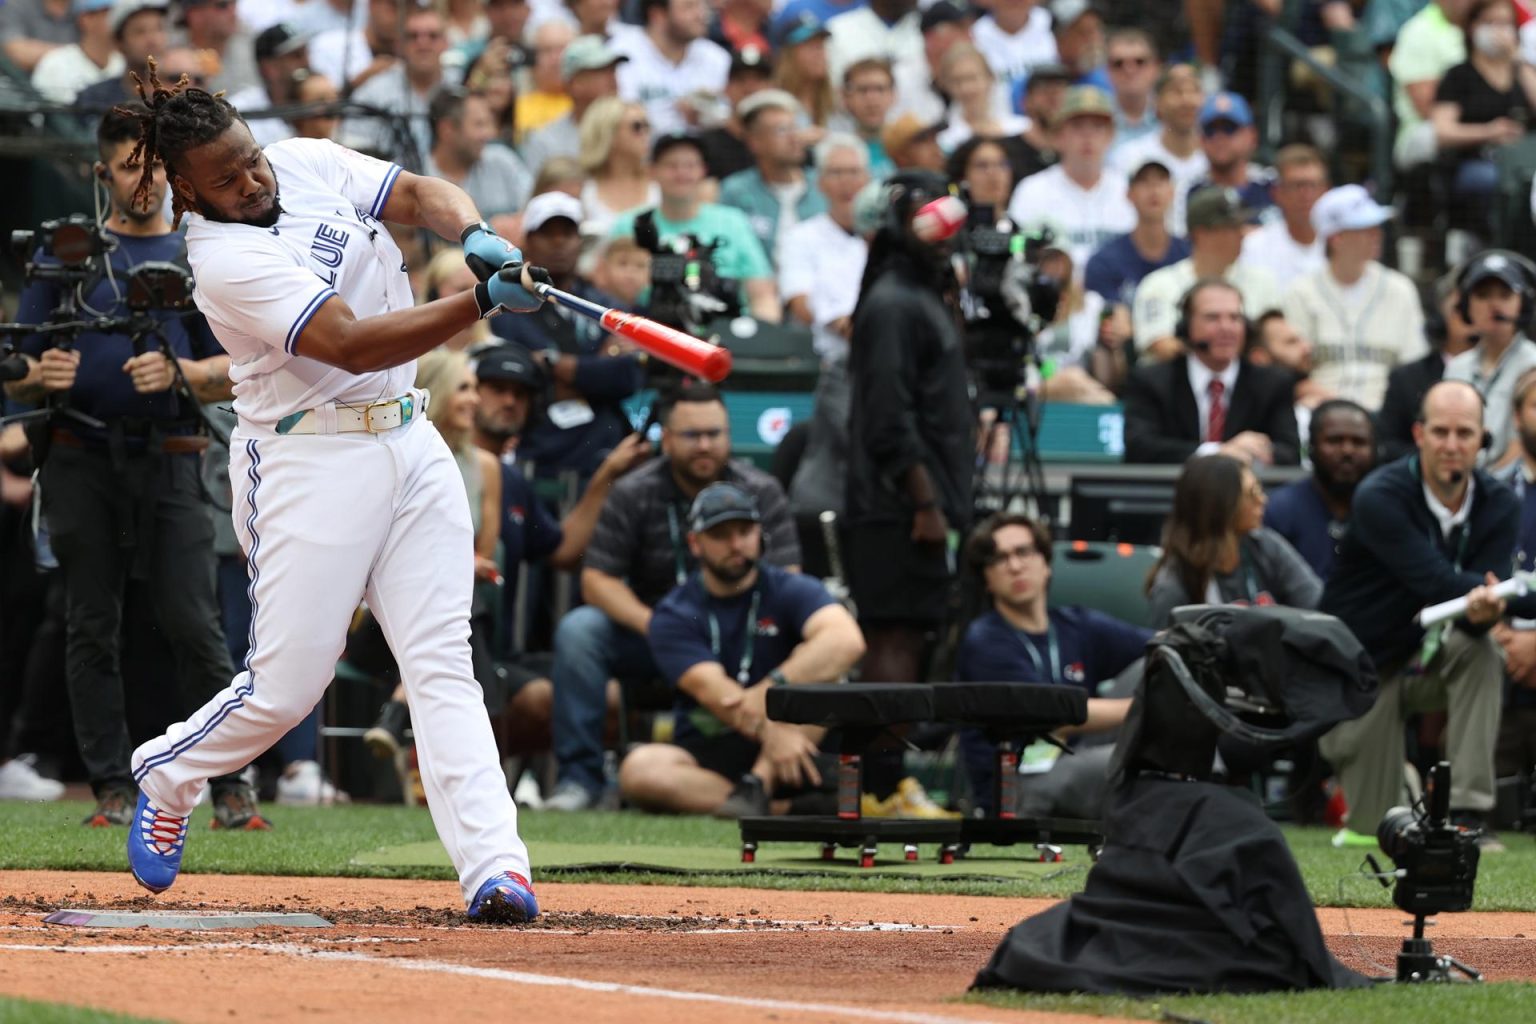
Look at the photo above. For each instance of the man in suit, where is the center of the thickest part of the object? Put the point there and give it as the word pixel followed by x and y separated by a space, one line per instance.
pixel 1211 400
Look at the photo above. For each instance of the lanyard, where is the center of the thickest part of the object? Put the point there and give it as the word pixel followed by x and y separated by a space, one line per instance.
pixel 1052 649
pixel 1250 582
pixel 676 531
pixel 744 668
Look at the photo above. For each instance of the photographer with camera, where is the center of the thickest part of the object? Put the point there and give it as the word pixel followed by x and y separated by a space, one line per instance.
pixel 1424 529
pixel 125 501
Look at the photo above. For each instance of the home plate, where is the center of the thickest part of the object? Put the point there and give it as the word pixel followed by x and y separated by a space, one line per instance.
pixel 181 920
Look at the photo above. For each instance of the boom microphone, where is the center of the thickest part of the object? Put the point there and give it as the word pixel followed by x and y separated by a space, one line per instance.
pixel 671 346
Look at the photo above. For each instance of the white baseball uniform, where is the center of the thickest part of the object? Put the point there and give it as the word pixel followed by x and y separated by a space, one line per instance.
pixel 328 518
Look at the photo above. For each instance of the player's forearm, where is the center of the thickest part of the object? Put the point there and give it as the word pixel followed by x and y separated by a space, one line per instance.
pixel 613 598
pixel 435 204
pixel 390 339
pixel 208 378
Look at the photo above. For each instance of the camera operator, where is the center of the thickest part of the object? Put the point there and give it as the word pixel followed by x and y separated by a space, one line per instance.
pixel 125 502
pixel 1424 529
pixel 910 451
pixel 582 418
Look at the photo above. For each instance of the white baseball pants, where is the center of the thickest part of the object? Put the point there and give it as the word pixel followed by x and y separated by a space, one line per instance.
pixel 326 520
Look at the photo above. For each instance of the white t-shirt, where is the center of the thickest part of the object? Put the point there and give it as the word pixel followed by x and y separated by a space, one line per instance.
pixel 1272 248
pixel 1185 170
pixel 648 77
pixel 65 70
pixel 1155 309
pixel 265 130
pixel 1013 57
pixel 821 261
pixel 1090 217
pixel 958 131
pixel 340 54
pixel 260 287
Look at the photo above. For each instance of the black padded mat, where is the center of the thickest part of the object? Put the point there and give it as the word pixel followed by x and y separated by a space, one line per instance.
pixel 1010 704
pixel 851 705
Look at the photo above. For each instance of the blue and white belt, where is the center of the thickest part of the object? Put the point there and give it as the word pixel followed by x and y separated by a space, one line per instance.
pixel 373 418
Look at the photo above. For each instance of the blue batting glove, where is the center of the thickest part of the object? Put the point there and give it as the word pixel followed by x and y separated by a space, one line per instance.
pixel 505 290
pixel 487 252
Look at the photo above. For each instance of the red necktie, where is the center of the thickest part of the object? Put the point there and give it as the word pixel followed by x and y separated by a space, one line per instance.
pixel 1216 422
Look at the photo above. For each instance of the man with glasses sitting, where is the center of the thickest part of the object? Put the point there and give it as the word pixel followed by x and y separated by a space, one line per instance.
pixel 638 553
pixel 1021 640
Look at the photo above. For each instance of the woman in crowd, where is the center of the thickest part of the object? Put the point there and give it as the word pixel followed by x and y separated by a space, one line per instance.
pixel 980 165
pixel 490 76
pixel 967 78
pixel 447 274
pixel 616 155
pixel 802 72
pixel 1216 549
pixel 1480 106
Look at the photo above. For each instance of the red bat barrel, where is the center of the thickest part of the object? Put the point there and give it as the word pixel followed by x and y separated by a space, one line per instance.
pixel 671 346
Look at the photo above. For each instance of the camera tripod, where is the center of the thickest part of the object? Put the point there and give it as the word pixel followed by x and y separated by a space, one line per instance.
pixel 1417 962
pixel 1019 412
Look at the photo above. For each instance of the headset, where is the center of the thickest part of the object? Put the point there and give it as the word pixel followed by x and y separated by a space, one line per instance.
pixel 1181 327
pixel 1493 263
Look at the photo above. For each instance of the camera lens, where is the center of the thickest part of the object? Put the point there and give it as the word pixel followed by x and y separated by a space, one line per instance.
pixel 1396 831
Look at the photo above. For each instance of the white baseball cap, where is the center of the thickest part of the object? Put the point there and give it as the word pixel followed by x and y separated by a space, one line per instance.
pixel 546 206
pixel 1348 208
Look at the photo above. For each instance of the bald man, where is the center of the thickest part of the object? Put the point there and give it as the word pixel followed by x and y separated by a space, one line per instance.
pixel 1427 528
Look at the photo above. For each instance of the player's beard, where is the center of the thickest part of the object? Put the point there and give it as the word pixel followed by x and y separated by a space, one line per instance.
pixel 266 220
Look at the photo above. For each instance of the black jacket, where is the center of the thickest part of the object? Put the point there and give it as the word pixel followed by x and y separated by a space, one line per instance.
pixel 1394 559
pixel 1406 385
pixel 910 401
pixel 1162 419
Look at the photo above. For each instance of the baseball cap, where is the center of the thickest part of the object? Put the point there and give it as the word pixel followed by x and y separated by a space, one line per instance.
pixel 750 60
pixel 794 29
pixel 122 10
pixel 588 53
pixel 1151 160
pixel 721 503
pixel 88 6
pixel 671 140
pixel 907 129
pixel 1226 106
pixel 1217 206
pixel 546 206
pixel 280 40
pixel 764 98
pixel 510 364
pixel 1065 12
pixel 1500 265
pixel 1347 208
pixel 941 13
pixel 1084 101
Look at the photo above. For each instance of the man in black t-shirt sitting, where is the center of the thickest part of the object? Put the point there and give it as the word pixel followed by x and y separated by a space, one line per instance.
pixel 722 639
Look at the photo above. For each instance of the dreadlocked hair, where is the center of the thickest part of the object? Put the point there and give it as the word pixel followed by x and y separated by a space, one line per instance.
pixel 173 119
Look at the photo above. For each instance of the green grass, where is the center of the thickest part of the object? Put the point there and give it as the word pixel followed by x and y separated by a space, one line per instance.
pixel 324 841
pixel 1389 1004
pixel 25 1011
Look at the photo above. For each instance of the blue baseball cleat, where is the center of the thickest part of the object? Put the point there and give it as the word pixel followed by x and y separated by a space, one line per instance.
pixel 155 839
pixel 506 898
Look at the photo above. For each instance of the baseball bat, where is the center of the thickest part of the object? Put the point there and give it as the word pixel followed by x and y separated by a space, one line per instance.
pixel 671 346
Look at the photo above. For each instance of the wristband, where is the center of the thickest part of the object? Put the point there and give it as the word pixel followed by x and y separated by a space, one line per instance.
pixel 777 678
pixel 483 300
pixel 478 225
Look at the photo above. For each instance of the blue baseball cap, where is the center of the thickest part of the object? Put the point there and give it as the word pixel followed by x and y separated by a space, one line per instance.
pixel 722 503
pixel 1226 106
pixel 794 29
pixel 87 6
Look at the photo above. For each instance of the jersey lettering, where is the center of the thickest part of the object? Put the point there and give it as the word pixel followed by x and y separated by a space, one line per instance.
pixel 329 246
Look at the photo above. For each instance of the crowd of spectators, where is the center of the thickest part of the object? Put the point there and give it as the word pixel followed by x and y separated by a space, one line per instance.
pixel 1240 305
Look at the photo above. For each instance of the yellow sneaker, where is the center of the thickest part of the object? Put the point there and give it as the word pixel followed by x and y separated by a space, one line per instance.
pixel 869 807
pixel 912 801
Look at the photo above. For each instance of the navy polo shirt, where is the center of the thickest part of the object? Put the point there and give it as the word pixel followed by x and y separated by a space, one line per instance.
pixel 1297 513
pixel 1117 268
pixel 681 636
pixel 1525 555
pixel 101 388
